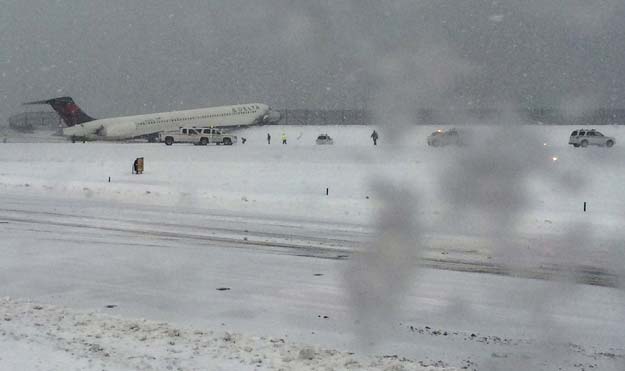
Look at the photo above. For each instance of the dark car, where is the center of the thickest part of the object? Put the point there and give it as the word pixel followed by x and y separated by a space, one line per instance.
pixel 441 138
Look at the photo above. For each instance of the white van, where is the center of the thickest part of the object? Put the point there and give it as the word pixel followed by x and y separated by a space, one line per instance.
pixel 197 136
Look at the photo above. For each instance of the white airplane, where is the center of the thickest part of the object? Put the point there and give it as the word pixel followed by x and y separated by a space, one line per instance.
pixel 81 126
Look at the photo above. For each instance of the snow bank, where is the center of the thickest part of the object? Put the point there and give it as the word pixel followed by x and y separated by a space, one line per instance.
pixel 46 337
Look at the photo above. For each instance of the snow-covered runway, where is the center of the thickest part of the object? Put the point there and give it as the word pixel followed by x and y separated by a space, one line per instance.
pixel 245 240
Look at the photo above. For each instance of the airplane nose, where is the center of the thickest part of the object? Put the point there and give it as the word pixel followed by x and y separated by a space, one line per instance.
pixel 274 116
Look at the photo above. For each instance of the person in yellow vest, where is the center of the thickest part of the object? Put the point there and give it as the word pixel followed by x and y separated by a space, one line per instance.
pixel 283 138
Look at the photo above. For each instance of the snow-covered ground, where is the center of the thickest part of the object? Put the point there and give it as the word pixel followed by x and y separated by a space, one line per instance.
pixel 45 337
pixel 477 257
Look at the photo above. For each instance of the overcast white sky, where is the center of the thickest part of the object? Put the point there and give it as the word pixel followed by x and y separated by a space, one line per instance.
pixel 119 57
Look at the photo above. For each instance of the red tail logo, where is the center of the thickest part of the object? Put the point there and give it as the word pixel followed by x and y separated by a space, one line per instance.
pixel 67 109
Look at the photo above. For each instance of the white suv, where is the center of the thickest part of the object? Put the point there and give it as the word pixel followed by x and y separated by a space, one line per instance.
pixel 586 137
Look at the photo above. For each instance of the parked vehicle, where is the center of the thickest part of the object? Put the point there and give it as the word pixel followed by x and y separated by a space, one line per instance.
pixel 441 138
pixel 590 137
pixel 324 139
pixel 197 136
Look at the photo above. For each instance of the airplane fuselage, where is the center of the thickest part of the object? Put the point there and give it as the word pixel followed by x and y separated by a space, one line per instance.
pixel 128 127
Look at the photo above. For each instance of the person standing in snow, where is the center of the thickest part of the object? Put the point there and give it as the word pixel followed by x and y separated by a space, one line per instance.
pixel 268 138
pixel 283 138
pixel 374 136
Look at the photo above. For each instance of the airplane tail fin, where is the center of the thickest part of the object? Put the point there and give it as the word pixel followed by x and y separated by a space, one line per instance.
pixel 67 109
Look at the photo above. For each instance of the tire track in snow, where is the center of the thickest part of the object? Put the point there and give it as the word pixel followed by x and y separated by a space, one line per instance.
pixel 250 236
pixel 323 248
pixel 243 240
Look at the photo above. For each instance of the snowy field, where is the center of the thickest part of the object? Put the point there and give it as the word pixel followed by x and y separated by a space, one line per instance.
pixel 235 258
